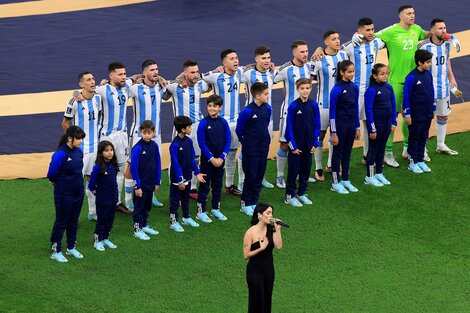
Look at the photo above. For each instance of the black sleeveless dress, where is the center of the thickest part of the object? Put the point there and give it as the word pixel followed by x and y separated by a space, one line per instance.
pixel 260 277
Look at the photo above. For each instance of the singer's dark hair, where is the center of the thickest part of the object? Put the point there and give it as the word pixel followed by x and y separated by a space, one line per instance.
pixel 259 209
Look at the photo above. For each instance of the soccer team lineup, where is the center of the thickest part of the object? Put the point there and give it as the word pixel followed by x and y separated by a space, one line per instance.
pixel 356 98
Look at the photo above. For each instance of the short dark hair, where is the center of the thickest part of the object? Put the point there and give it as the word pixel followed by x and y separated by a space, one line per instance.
pixel 226 52
pixel 302 81
pixel 147 124
pixel 257 88
pixel 181 122
pixel 147 63
pixel 297 43
pixel 261 50
pixel 436 20
pixel 189 63
pixel 404 7
pixel 422 56
pixel 328 33
pixel 80 76
pixel 365 21
pixel 114 66
pixel 216 100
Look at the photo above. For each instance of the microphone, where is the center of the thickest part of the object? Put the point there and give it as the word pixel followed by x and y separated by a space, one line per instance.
pixel 278 222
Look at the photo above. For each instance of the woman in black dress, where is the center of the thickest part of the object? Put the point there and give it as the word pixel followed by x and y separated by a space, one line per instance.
pixel 258 244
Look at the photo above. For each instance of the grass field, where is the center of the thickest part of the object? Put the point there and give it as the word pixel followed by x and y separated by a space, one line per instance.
pixel 402 248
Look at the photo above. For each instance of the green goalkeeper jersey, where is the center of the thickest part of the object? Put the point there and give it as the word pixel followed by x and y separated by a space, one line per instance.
pixel 401 45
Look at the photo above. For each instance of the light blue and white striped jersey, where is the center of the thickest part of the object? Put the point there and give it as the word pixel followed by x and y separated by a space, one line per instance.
pixel 228 87
pixel 439 67
pixel 289 73
pixel 85 115
pixel 326 70
pixel 147 106
pixel 364 58
pixel 251 75
pixel 114 102
pixel 187 101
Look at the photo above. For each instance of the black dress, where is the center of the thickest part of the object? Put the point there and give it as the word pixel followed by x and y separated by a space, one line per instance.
pixel 260 277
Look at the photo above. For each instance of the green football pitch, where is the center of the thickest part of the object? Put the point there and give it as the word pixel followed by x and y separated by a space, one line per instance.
pixel 400 248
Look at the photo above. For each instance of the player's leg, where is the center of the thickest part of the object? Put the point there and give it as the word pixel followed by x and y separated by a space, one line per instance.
pixel 88 162
pixel 158 140
pixel 364 132
pixel 389 157
pixel 319 175
pixel 128 181
pixel 217 181
pixel 231 163
pixel 281 155
pixel 241 173
pixel 443 111
pixel 197 152
pixel 266 183
pixel 262 161
pixel 175 199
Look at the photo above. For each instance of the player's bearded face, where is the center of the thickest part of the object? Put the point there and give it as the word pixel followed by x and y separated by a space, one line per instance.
pixel 439 30
pixel 151 73
pixel 301 53
pixel 118 77
pixel 367 31
pixel 192 74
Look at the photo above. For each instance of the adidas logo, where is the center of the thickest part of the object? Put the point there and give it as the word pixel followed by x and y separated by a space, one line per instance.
pixel 418 83
pixel 83 108
pixel 143 93
pixel 379 93
pixel 209 127
pixel 345 91
pixel 181 148
pixel 255 116
pixel 69 159
pixel 105 173
pixel 299 112
pixel 144 152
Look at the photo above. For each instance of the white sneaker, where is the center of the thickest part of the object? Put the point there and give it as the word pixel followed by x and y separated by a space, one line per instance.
pixel 280 183
pixel 446 150
pixel 426 157
pixel 389 159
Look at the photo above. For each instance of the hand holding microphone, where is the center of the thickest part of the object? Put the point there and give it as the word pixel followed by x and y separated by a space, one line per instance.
pixel 278 222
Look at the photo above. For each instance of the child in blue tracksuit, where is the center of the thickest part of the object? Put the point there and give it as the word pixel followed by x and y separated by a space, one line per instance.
pixel 182 166
pixel 419 105
pixel 344 125
pixel 65 174
pixel 381 119
pixel 253 133
pixel 146 172
pixel 214 138
pixel 302 132
pixel 103 185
